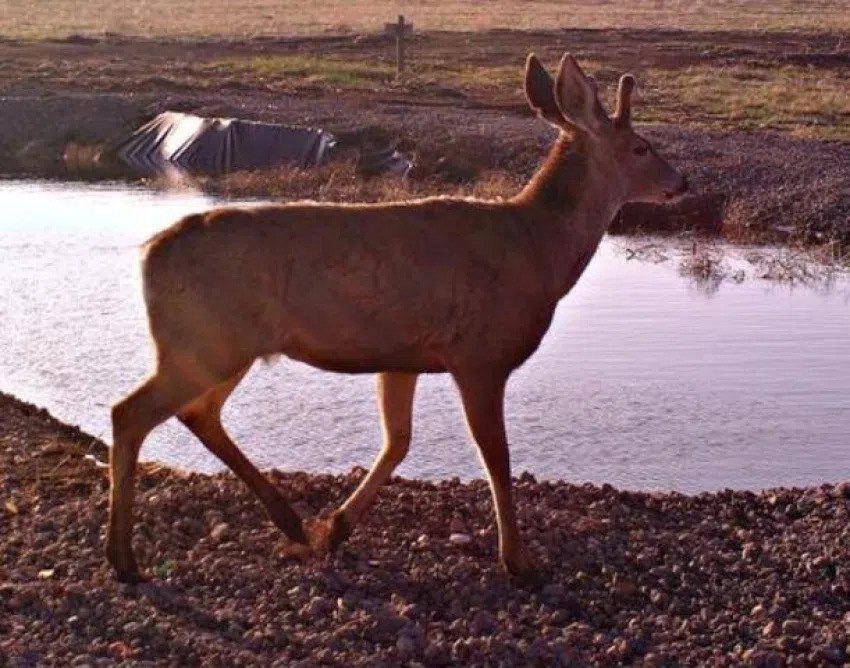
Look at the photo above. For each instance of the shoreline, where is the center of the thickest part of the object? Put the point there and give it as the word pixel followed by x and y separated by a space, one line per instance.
pixel 461 117
pixel 649 579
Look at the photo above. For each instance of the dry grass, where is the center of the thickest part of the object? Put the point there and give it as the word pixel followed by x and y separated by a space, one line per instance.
pixel 166 18
pixel 339 181
pixel 802 101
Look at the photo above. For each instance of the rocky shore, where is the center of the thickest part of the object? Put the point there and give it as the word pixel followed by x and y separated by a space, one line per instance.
pixel 627 578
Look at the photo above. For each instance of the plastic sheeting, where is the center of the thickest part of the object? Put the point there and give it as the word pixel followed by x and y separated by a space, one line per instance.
pixel 217 145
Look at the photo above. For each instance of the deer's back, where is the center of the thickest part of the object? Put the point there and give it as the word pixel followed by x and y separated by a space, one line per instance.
pixel 351 288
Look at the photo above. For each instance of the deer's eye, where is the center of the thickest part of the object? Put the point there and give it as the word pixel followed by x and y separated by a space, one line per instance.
pixel 642 149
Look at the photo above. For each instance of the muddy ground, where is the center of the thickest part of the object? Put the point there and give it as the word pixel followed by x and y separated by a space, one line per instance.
pixel 627 578
pixel 766 185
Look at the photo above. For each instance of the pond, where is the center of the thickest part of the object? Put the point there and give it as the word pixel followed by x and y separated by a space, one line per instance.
pixel 644 381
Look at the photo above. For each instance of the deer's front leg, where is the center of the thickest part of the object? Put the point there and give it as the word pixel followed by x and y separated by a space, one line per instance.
pixel 395 403
pixel 483 396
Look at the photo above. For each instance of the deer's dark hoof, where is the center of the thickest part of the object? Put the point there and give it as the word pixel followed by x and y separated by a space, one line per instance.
pixel 523 571
pixel 124 565
pixel 292 550
pixel 326 536
pixel 129 574
pixel 286 519
pixel 131 577
pixel 336 531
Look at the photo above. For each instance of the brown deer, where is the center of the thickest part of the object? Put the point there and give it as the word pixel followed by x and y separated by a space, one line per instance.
pixel 438 285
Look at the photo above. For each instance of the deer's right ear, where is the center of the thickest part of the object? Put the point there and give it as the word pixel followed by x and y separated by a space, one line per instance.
pixel 540 92
pixel 576 97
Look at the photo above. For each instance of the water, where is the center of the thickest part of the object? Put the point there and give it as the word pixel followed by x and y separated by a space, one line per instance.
pixel 643 381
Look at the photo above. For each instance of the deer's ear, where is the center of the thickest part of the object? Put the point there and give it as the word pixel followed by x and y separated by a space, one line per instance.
pixel 575 95
pixel 540 92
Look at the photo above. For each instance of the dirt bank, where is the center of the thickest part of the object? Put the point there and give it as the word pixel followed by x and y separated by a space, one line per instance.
pixel 462 119
pixel 733 578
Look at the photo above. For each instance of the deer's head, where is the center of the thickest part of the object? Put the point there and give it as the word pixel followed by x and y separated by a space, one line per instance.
pixel 627 160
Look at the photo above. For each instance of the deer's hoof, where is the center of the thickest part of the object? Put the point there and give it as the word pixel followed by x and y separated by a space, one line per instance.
pixel 522 570
pixel 293 550
pixel 129 575
pixel 124 565
pixel 288 522
pixel 327 535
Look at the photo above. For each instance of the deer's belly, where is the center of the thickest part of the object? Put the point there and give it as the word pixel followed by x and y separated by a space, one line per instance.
pixel 354 359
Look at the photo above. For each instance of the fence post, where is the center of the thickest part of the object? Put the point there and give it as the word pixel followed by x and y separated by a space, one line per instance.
pixel 400 30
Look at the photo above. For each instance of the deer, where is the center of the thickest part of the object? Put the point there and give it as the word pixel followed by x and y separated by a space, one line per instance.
pixel 455 285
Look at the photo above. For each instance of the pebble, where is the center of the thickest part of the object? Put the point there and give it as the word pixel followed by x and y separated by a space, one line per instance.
pixel 405 645
pixel 793 627
pixel 219 531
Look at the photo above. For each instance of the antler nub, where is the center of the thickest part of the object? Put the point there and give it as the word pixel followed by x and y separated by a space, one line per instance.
pixel 623 115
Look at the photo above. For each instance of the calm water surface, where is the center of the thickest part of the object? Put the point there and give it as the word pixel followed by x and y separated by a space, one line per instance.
pixel 643 381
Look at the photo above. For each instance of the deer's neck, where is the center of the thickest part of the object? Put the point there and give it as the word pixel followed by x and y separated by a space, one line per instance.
pixel 571 201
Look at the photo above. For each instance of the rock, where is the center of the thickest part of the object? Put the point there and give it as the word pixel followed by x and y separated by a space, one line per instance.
pixel 132 628
pixel 405 644
pixel 793 627
pixel 219 531
pixel 457 526
pixel 553 592
pixel 833 655
pixel 659 598
pixel 758 611
pixel 621 649
pixel 460 539
pixel 770 630
pixel 652 660
pixel 763 659
pixel 750 552
pixel 435 653
pixel 482 623
pixel 623 586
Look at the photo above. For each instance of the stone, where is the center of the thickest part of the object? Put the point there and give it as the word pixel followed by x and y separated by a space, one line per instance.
pixel 793 627
pixel 219 531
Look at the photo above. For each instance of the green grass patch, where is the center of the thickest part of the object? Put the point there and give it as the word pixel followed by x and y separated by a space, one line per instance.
pixel 311 69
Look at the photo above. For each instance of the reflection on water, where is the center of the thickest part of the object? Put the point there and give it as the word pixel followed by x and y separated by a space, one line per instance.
pixel 642 382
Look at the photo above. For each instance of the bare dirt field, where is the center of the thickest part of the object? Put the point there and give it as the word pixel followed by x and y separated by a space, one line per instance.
pixel 253 18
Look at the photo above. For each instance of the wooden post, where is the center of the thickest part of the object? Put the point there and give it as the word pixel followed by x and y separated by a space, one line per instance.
pixel 401 31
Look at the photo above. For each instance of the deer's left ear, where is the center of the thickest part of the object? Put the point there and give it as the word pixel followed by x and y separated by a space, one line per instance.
pixel 540 92
pixel 576 96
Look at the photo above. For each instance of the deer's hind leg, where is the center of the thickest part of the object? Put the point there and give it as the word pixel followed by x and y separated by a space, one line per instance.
pixel 203 418
pixel 152 403
pixel 395 403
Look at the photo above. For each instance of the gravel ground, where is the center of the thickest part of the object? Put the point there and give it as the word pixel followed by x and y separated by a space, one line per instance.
pixel 628 578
